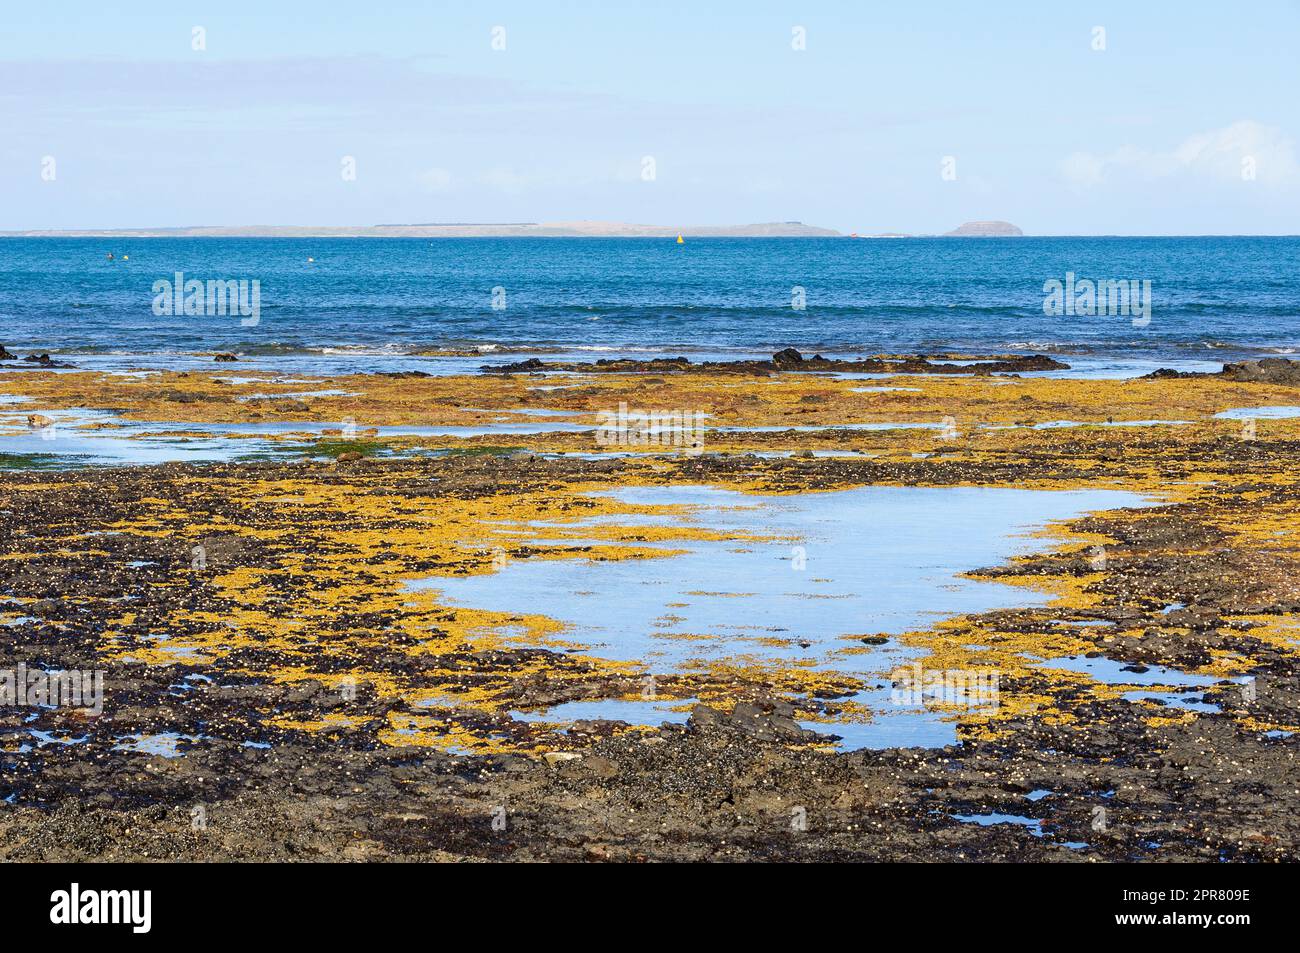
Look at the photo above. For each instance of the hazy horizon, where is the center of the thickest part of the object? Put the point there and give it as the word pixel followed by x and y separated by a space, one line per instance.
pixel 130 231
pixel 1167 121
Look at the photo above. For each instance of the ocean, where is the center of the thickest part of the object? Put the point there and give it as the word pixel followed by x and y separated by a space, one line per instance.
pixel 359 300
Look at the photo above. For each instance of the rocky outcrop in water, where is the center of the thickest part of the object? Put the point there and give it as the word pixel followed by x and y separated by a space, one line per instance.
pixel 789 359
pixel 1269 370
pixel 44 360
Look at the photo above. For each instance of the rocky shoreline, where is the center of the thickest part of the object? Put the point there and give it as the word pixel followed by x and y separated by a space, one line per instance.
pixel 294 592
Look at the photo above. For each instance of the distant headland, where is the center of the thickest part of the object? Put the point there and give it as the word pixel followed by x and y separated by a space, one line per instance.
pixel 580 229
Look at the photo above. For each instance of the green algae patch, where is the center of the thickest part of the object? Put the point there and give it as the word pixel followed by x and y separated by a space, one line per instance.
pixel 336 448
pixel 31 461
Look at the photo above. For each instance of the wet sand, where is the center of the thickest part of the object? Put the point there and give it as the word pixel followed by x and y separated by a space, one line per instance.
pixel 316 705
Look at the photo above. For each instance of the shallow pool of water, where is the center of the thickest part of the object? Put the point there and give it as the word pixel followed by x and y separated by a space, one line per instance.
pixel 859 561
pixel 81 437
pixel 832 567
pixel 1158 683
pixel 1113 672
pixel 1033 824
pixel 1251 413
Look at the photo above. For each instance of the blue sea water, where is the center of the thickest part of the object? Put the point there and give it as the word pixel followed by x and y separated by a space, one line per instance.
pixel 1213 298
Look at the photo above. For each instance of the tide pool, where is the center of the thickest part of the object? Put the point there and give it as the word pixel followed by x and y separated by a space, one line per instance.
pixel 849 562
pixel 832 567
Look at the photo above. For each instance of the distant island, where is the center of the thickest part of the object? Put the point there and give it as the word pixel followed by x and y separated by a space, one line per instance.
pixel 985 230
pixel 581 229
pixel 965 230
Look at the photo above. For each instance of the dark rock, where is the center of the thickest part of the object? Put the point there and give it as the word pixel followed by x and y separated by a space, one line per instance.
pixel 224 357
pixel 304 691
pixel 764 720
pixel 790 360
pixel 532 364
pixel 1269 370
pixel 596 727
pixel 44 360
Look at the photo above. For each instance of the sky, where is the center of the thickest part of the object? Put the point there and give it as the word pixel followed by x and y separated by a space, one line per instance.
pixel 1063 117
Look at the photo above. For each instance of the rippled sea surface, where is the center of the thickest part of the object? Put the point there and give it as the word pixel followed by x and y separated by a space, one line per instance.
pixel 1212 298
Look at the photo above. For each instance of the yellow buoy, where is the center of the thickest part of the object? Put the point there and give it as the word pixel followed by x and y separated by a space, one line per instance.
pixel 680 241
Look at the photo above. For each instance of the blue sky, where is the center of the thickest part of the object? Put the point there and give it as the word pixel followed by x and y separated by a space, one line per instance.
pixel 1185 123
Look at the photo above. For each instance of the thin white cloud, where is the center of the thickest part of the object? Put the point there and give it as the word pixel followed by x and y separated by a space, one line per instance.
pixel 435 180
pixel 1234 153
pixel 506 179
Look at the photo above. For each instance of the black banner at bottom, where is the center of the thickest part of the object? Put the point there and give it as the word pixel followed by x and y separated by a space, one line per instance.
pixel 335 902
